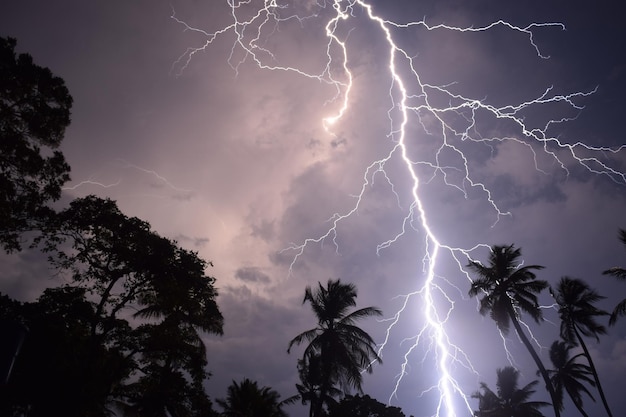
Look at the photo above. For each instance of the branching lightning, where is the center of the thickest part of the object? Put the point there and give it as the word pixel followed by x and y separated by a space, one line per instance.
pixel 123 165
pixel 413 101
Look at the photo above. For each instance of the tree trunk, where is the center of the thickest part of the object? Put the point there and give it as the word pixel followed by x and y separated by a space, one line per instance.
pixel 593 370
pixel 536 358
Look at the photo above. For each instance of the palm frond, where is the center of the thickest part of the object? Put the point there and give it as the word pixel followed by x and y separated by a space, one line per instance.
pixel 308 335
pixel 620 310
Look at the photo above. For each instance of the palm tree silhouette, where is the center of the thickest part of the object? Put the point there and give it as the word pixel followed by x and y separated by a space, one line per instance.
pixel 509 401
pixel 310 385
pixel 247 399
pixel 510 289
pixel 618 272
pixel 578 318
pixel 341 349
pixel 569 375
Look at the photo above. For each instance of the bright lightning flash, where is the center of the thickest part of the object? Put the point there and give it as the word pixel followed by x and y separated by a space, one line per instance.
pixel 412 100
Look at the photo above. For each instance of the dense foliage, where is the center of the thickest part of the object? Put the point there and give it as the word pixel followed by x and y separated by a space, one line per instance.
pixel 34 113
pixel 129 321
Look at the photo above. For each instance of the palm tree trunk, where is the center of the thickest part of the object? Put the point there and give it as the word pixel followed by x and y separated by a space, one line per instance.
pixel 536 358
pixel 593 370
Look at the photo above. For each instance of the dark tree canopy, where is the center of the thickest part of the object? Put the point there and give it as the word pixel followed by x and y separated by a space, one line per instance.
pixel 569 376
pixel 126 331
pixel 59 371
pixel 34 113
pixel 247 399
pixel 363 406
pixel 509 400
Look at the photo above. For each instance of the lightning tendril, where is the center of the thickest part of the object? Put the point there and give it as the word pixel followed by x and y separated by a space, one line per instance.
pixel 440 112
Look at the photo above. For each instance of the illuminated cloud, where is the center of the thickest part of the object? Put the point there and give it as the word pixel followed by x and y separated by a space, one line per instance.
pixel 249 166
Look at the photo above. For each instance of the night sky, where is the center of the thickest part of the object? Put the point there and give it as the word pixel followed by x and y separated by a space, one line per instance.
pixel 234 161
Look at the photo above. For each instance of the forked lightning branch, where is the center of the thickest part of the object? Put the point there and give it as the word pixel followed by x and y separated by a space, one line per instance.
pixel 412 99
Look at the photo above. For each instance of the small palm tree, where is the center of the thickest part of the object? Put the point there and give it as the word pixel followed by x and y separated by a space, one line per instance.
pixel 578 318
pixel 508 290
pixel 342 349
pixel 620 273
pixel 246 399
pixel 569 375
pixel 309 388
pixel 509 401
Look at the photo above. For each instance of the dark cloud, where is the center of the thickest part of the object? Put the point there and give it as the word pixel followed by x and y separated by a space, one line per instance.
pixel 197 242
pixel 252 274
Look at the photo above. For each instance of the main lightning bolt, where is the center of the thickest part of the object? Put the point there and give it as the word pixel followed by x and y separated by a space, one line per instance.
pixel 414 103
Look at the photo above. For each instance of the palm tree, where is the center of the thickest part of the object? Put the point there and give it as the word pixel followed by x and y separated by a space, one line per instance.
pixel 342 349
pixel 578 318
pixel 510 289
pixel 569 375
pixel 509 401
pixel 618 272
pixel 310 385
pixel 246 399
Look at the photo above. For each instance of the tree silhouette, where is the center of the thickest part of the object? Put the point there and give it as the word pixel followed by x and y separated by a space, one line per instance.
pixel 363 406
pixel 60 371
pixel 34 112
pixel 151 301
pixel 246 399
pixel 569 375
pixel 620 273
pixel 509 400
pixel 342 349
pixel 508 290
pixel 311 384
pixel 578 318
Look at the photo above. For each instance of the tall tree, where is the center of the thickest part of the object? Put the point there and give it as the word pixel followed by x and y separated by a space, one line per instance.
pixel 508 291
pixel 509 400
pixel 620 273
pixel 34 112
pixel 342 349
pixel 130 271
pixel 247 399
pixel 578 318
pixel 569 375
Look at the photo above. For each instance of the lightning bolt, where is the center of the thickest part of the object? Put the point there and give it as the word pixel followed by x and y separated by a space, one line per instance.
pixel 121 164
pixel 449 117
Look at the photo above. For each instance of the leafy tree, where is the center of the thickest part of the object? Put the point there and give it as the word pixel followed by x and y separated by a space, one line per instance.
pixel 508 290
pixel 34 112
pixel 363 406
pixel 618 272
pixel 130 271
pixel 509 400
pixel 578 318
pixel 569 375
pixel 59 370
pixel 341 349
pixel 247 399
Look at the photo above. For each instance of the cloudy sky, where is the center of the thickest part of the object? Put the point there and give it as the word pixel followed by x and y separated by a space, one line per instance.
pixel 229 154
